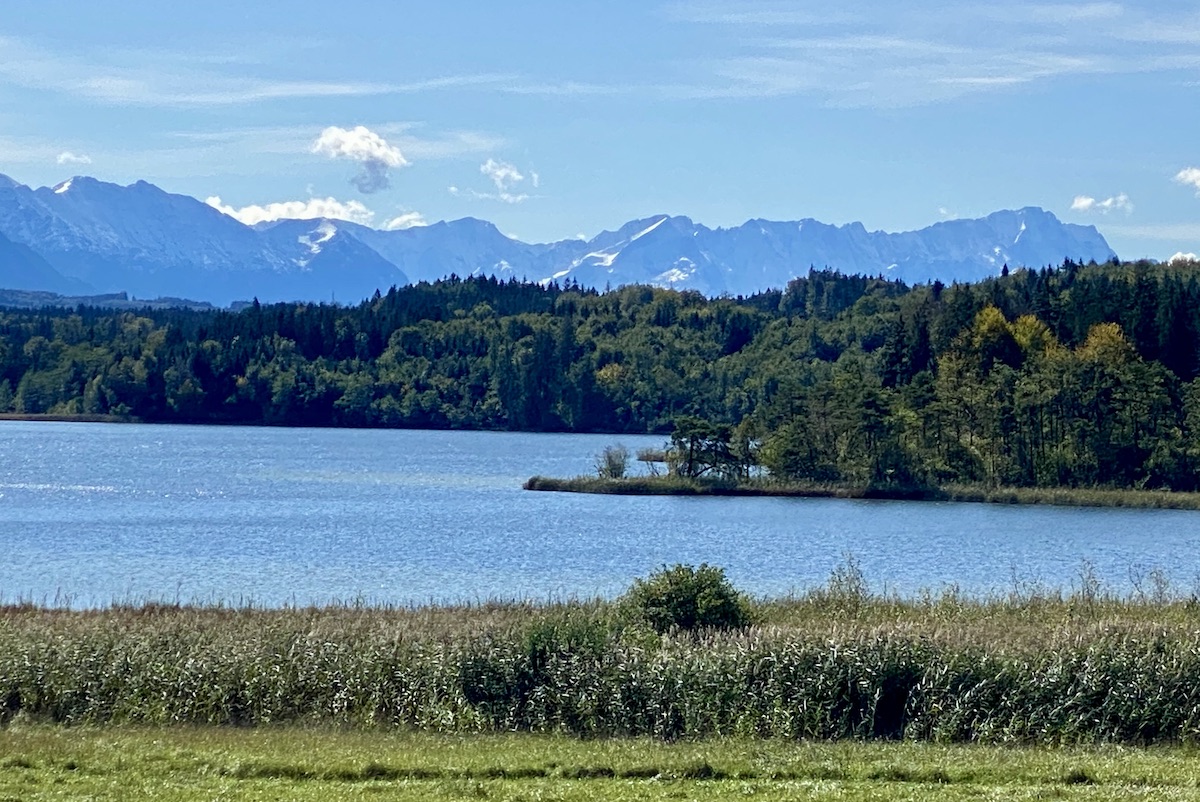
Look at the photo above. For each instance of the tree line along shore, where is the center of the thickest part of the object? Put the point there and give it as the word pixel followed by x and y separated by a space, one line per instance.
pixel 1078 376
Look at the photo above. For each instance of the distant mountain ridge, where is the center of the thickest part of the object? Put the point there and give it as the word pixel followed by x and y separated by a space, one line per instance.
pixel 86 236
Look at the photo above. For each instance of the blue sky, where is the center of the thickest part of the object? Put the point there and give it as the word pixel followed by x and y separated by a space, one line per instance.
pixel 558 119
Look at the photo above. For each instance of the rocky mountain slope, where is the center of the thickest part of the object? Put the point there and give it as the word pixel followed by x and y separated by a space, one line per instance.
pixel 88 236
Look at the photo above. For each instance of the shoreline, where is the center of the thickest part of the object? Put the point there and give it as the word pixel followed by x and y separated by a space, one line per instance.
pixel 1059 497
pixel 52 417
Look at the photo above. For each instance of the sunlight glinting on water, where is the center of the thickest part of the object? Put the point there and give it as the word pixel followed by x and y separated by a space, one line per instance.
pixel 96 513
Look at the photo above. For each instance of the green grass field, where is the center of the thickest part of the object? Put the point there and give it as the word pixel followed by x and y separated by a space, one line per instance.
pixel 184 763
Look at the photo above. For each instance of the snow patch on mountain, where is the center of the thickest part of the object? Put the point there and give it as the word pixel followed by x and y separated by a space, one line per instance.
pixel 324 232
pixel 107 238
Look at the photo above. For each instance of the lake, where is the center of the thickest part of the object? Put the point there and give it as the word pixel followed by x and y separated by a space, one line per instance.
pixel 96 513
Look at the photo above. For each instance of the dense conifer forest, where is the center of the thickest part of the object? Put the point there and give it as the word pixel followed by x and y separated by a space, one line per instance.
pixel 1072 376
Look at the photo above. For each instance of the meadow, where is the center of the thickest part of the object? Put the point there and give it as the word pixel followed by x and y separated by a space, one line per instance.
pixel 291 763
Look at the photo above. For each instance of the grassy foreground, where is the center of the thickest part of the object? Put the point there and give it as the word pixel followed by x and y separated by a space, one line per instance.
pixel 185 763
pixel 1059 496
pixel 838 663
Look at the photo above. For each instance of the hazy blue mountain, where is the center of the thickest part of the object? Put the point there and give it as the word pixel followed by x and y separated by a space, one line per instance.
pixel 151 243
pixel 674 251
pixel 22 269
pixel 102 238
pixel 325 262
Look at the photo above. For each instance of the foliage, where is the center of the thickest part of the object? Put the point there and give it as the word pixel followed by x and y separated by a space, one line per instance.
pixel 612 462
pixel 1076 376
pixel 839 662
pixel 687 598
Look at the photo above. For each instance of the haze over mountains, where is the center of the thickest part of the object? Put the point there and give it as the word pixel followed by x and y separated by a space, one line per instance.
pixel 86 236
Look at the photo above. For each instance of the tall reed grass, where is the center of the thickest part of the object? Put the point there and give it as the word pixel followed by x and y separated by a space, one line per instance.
pixel 835 663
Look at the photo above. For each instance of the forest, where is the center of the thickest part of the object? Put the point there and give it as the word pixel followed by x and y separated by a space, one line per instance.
pixel 1076 375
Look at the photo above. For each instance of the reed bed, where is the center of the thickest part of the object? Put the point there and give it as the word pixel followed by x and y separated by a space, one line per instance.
pixel 982 494
pixel 836 663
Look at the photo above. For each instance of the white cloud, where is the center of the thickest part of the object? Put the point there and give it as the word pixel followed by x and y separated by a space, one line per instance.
pixel 1191 177
pixel 362 145
pixel 67 157
pixel 1183 257
pixel 503 175
pixel 405 220
pixel 331 208
pixel 506 177
pixel 1086 203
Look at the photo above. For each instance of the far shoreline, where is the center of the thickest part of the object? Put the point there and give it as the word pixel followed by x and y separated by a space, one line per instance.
pixel 51 417
pixel 1060 497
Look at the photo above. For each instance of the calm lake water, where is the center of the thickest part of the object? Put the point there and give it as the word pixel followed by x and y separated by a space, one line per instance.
pixel 95 513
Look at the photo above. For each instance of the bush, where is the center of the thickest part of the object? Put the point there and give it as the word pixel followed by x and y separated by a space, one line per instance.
pixel 612 462
pixel 688 598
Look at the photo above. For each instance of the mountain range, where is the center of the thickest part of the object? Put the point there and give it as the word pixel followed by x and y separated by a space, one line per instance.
pixel 86 236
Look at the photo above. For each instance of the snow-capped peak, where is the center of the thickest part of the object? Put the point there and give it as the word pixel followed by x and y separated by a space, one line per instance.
pixel 148 242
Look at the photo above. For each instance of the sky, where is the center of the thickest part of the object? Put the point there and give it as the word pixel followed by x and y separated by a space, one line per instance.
pixel 555 120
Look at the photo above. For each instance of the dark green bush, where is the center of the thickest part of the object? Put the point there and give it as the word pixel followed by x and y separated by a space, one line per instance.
pixel 688 598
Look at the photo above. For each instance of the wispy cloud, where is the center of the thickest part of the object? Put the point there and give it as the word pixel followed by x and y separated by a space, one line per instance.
pixel 506 178
pixel 887 55
pixel 1065 13
pixel 69 158
pixel 753 14
pixel 405 220
pixel 351 211
pixel 414 140
pixel 1117 203
pixel 504 175
pixel 366 147
pixel 563 89
pixel 1164 232
pixel 140 78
